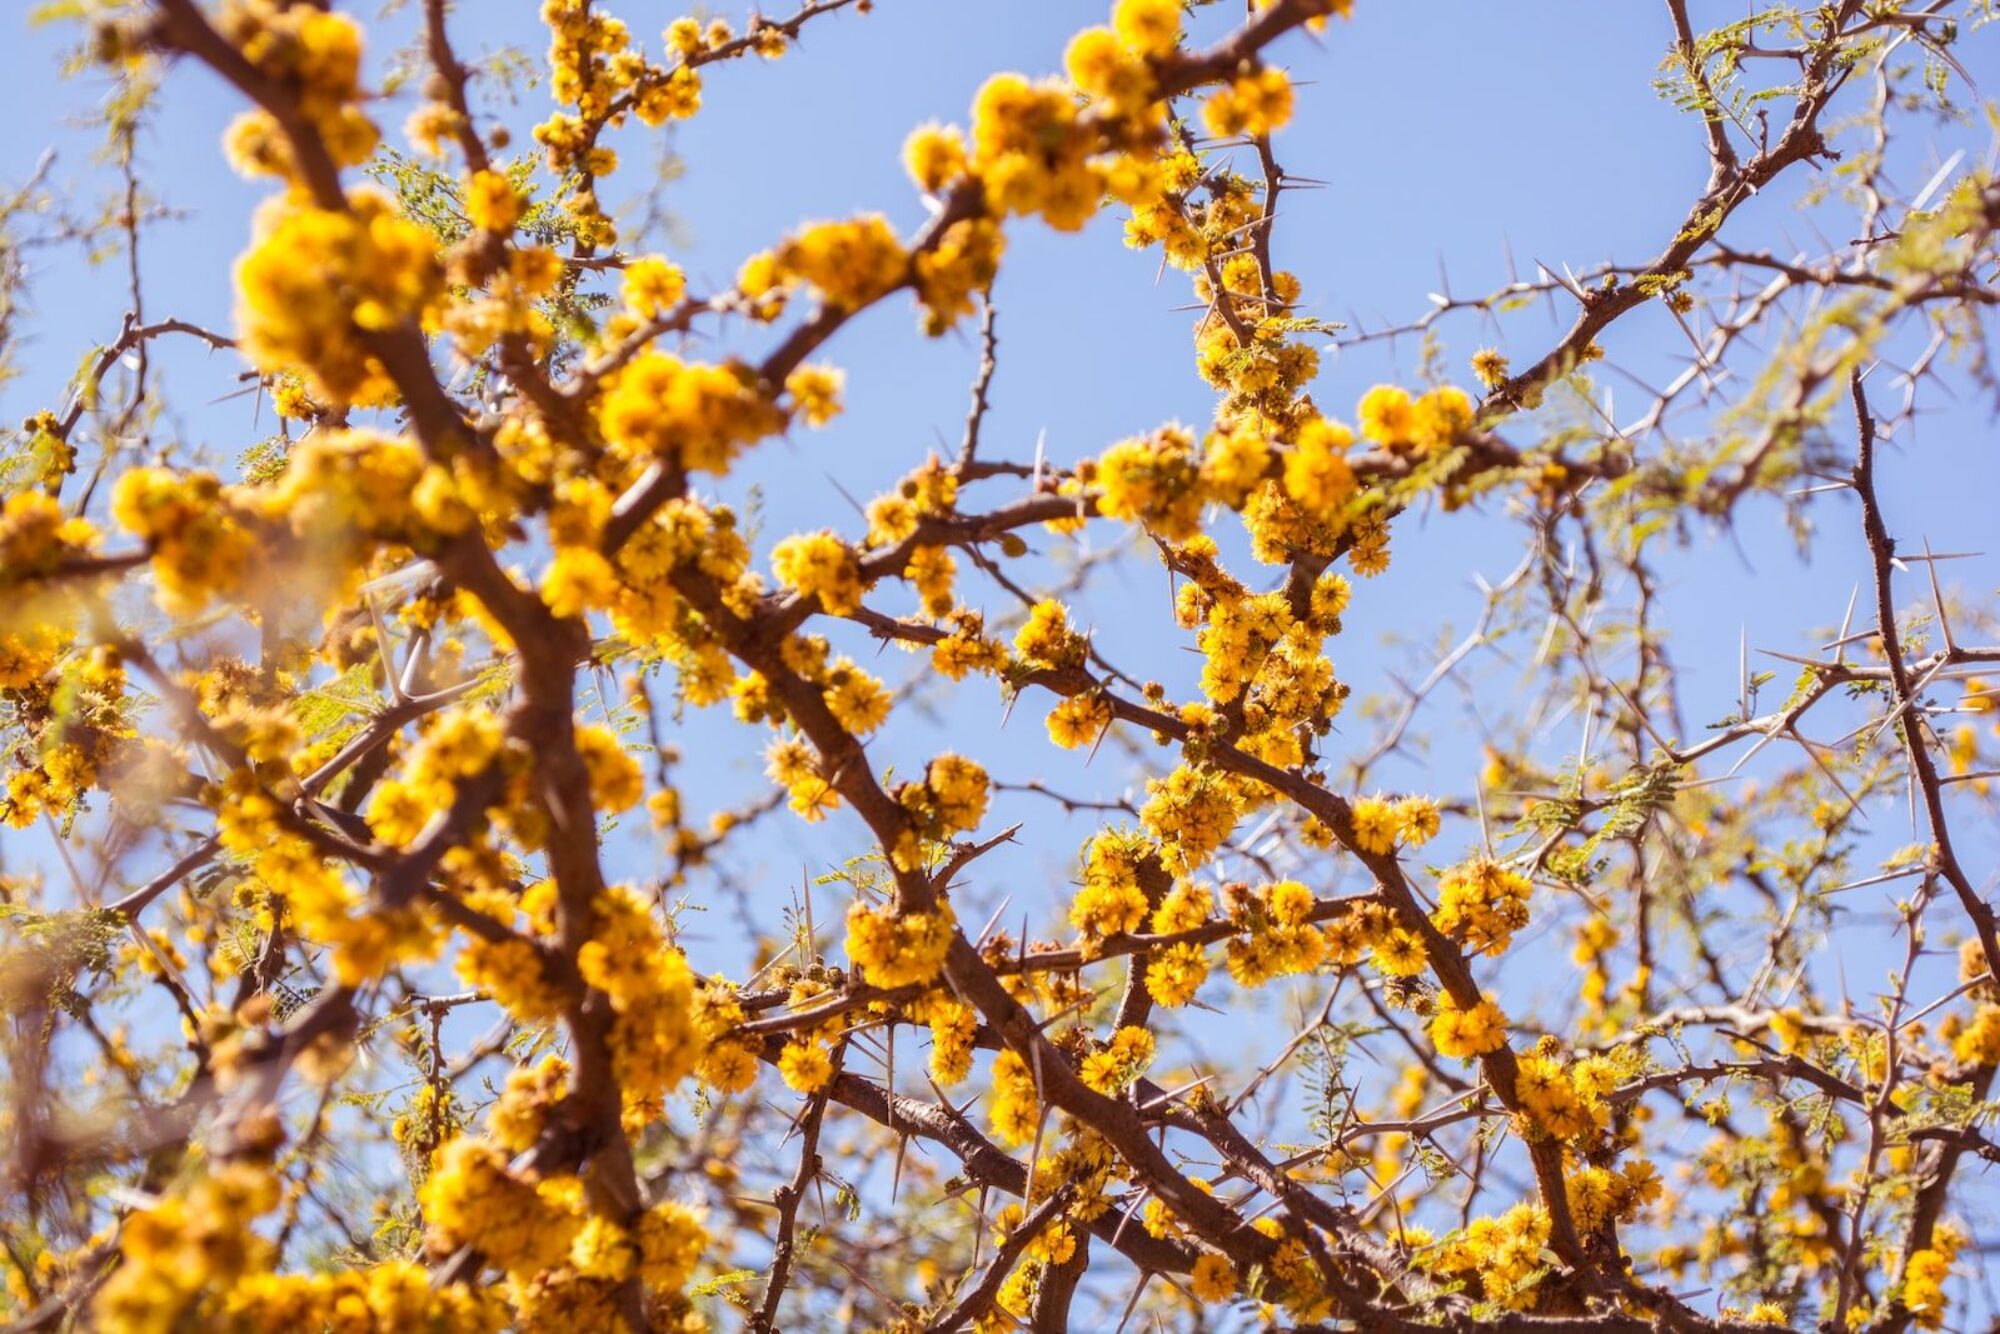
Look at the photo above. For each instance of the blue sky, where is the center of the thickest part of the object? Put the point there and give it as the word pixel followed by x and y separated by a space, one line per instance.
pixel 1447 135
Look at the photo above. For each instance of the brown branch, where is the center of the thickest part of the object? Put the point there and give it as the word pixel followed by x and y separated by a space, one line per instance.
pixel 787 1199
pixel 1882 552
pixel 979 1299
pixel 1730 185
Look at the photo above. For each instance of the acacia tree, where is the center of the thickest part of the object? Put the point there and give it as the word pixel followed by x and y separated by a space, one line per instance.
pixel 351 982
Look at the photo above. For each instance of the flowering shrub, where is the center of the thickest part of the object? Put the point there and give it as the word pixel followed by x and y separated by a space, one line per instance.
pixel 344 749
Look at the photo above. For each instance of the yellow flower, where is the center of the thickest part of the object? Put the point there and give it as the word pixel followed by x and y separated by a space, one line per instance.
pixel 689 413
pixel 1467 1033
pixel 1400 953
pixel 1111 901
pixel 1153 480
pixel 1233 463
pixel 492 204
pixel 967 649
pixel 851 263
pixel 1176 974
pixel 1102 66
pixel 671 1241
pixel 1387 415
pixel 1079 721
pixel 958 789
pixel 1440 417
pixel 316 283
pixel 931 572
pixel 1979 1042
pixel 1046 640
pixel 858 701
pixel 1254 105
pixel 1291 903
pixel 1317 475
pixel 616 783
pixel 1147 27
pixel 1923 1285
pixel 602 1250
pixel 1191 811
pixel 728 1067
pixel 1213 1279
pixel 1482 903
pixel 815 392
pixel 1032 153
pixel 472 1198
pixel 1188 905
pixel 953 1026
pixel 201 535
pixel 1014 1109
pixel 511 972
pixel 895 949
pixel 578 580
pixel 1416 821
pixel 675 97
pixel 1368 545
pixel 1375 825
pixel 806 1066
pixel 1123 1060
pixel 962 263
pixel 652 286
pixel 935 156
pixel 795 767
pixel 820 565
